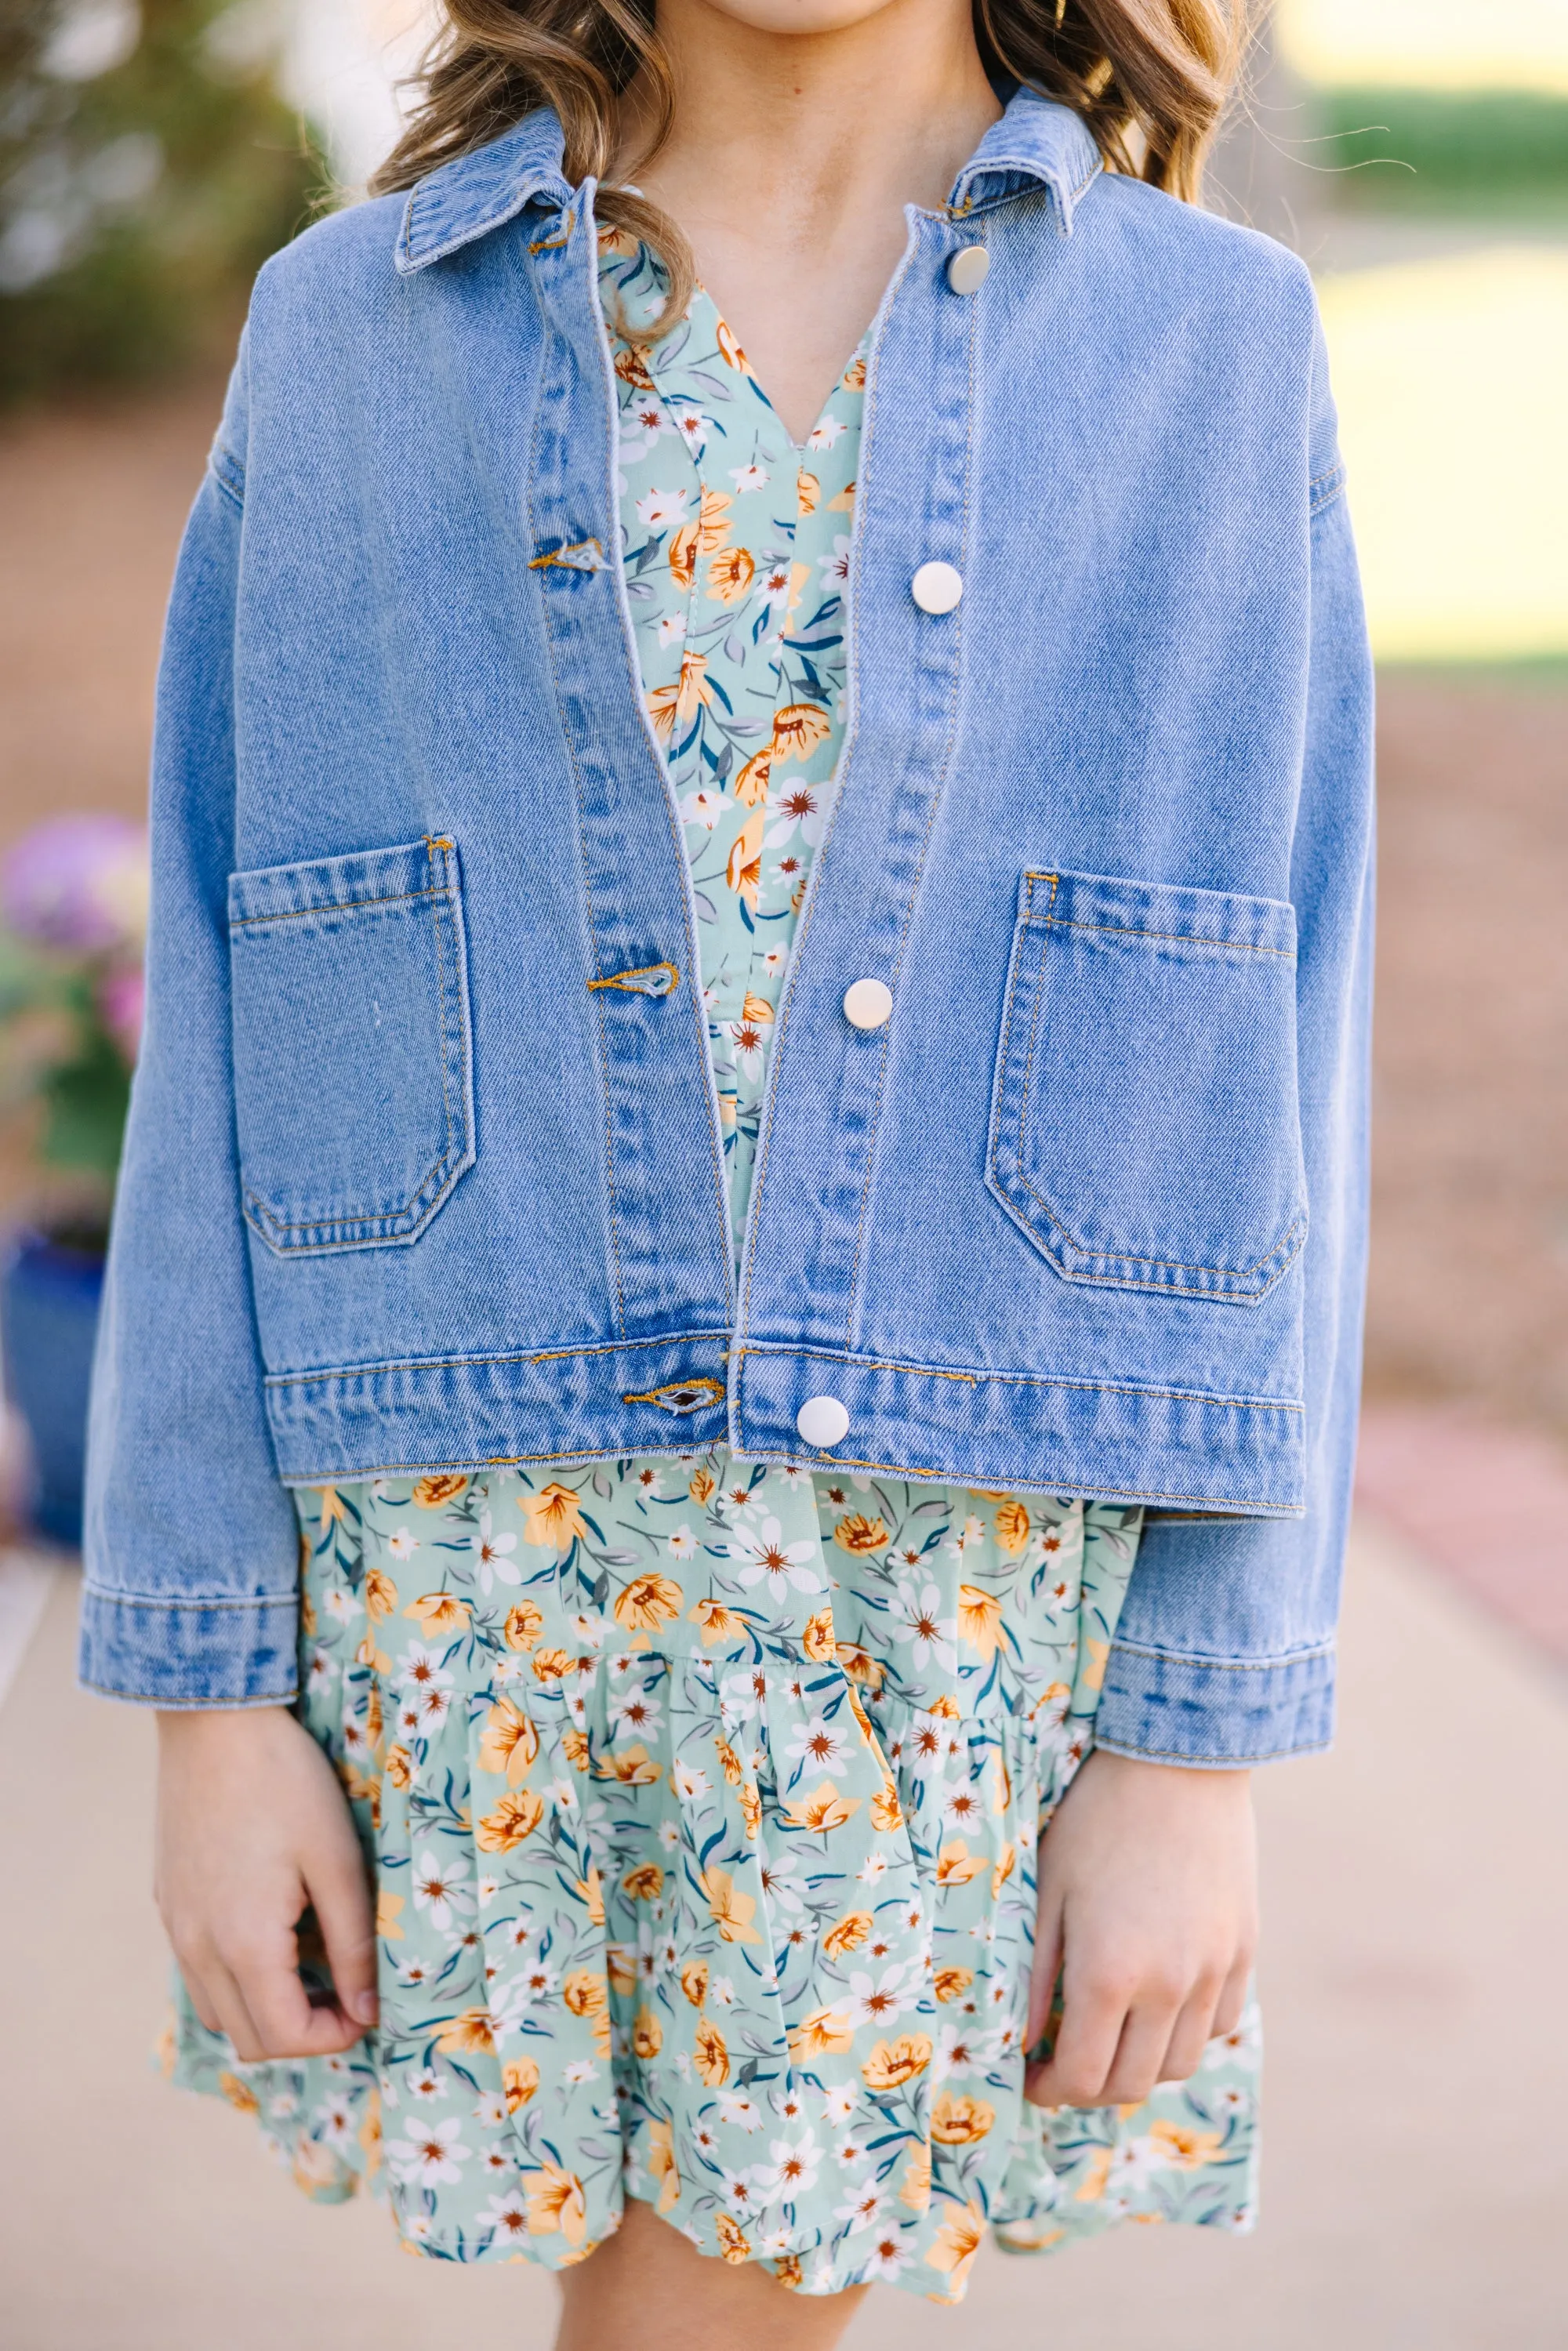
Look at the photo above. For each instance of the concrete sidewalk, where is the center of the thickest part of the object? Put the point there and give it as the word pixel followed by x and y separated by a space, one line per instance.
pixel 1417 1889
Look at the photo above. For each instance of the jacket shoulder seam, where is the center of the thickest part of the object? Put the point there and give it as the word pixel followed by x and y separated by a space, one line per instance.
pixel 228 474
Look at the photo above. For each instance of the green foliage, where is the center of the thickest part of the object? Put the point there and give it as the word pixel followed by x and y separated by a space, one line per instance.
pixel 1441 148
pixel 57 1049
pixel 137 205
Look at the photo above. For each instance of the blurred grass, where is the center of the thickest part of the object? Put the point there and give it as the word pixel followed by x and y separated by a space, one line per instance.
pixel 1454 150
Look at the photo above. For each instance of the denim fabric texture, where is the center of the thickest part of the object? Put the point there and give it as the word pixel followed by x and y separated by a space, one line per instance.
pixel 424 1168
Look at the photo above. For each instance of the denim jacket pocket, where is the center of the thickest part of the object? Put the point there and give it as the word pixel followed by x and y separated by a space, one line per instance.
pixel 1144 1125
pixel 353 1047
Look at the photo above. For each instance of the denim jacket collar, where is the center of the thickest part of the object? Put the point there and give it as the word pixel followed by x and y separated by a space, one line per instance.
pixel 1033 141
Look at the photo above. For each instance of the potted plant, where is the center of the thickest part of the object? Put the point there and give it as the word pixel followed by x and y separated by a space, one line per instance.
pixel 73 920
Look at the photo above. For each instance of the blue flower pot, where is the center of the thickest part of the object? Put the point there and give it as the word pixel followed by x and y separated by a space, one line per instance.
pixel 49 1293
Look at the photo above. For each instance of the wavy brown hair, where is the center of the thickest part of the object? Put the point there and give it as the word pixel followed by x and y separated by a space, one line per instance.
pixel 1149 79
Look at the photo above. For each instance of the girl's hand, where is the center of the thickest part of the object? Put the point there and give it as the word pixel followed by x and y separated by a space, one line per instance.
pixel 1148 1907
pixel 252 1828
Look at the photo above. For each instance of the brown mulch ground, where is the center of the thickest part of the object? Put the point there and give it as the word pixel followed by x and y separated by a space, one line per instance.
pixel 1469 1289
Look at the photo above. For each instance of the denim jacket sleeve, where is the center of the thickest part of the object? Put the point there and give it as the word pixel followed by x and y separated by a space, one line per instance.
pixel 177 1395
pixel 1225 1651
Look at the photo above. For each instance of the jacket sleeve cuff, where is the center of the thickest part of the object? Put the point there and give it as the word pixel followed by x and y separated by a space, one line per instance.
pixel 187 1654
pixel 1215 1715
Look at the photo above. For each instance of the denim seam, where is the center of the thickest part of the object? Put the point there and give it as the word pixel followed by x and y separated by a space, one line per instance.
pixel 228 474
pixel 1088 1489
pixel 184 1604
pixel 1174 938
pixel 550 333
pixel 938 786
pixel 481 1363
pixel 335 906
pixel 1324 489
pixel 1282 1663
pixel 1222 1762
pixel 165 1705
pixel 1025 1379
pixel 840 770
pixel 1283 1250
pixel 671 815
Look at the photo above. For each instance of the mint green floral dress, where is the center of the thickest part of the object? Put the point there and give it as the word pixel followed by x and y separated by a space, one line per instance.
pixel 702 1797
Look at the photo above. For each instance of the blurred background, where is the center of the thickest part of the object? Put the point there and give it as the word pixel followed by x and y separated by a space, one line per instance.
pixel 1415 153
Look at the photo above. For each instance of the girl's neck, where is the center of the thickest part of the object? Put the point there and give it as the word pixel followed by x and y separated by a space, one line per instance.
pixel 790 160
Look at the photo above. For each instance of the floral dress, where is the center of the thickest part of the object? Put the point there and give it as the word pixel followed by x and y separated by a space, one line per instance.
pixel 702 1796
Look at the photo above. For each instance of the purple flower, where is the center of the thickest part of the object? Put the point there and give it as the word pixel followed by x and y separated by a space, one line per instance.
pixel 121 1001
pixel 78 883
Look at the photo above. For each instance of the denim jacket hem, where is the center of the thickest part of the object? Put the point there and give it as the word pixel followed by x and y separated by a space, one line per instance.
pixel 189 1653
pixel 1224 1714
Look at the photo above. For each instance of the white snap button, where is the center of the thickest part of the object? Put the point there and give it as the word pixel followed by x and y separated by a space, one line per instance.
pixel 936 586
pixel 967 270
pixel 868 1003
pixel 822 1420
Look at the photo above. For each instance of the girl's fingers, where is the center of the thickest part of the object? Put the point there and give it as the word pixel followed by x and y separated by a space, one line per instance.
pixel 197 1993
pixel 1042 1976
pixel 1074 2074
pixel 340 1895
pixel 1230 2008
pixel 1189 2035
pixel 1140 2051
pixel 232 2012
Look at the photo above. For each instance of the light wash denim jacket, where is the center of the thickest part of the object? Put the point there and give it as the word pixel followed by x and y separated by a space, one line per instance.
pixel 424 1166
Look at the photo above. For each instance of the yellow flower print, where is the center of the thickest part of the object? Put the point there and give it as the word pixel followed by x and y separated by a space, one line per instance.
pixel 648 1601
pixel 1012 1526
pixel 633 1766
pixel 848 1934
pixel 1092 2187
pixel 520 2080
pixel 1003 1868
pixel 695 1980
pixel 826 2032
pixel 817 1638
pixel 717 1622
pixel 729 1762
pixel 468 2035
pixel 730 575
pixel 894 2063
pixel 798 728
pixel 587 1994
pixel 681 698
pixel 959 2122
pixel 439 1612
pixel 858 1534
pixel 955 1865
pixel 710 2053
pixel 853 377
pixel 239 2094
pixel 886 1812
pixel 555 2201
pixel 591 1889
pixel 844 502
pixel 731 1911
pixel 509 1741
pixel 743 870
pixel 431 1493
pixel 979 1619
pixel 647 2035
pixel 1094 1671
pixel 957 2242
pixel 702 1485
pixel 751 782
pixel 523 1626
pixel 732 2241
pixel 552 1517
pixel 662 2165
pixel 514 1818
pixel 574 1746
pixel 750 1810
pixel 1001 1784
pixel 1179 2145
pixel 551 1664
pixel 644 1882
pixel 788 2272
pixel 331 1506
pixel 400 1766
pixel 381 1594
pixel 730 349
pixel 714 521
pixel 952 1983
pixel 914 2190
pixel 860 1665
pixel 631 366
pixel 808 490
pixel 620 1961
pixel 822 1810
